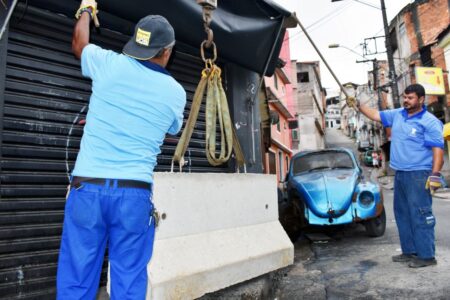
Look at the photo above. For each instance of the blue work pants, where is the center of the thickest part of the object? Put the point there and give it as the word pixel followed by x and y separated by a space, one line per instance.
pixel 94 216
pixel 413 213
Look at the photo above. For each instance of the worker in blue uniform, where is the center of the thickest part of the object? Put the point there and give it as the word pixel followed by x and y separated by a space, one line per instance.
pixel 417 158
pixel 134 103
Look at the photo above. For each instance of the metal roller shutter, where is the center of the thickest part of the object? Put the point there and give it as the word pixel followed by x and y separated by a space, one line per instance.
pixel 45 96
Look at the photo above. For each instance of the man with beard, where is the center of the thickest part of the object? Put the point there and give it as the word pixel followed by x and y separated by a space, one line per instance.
pixel 417 157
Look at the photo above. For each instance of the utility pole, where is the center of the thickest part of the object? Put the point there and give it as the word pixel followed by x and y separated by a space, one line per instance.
pixel 376 82
pixel 390 56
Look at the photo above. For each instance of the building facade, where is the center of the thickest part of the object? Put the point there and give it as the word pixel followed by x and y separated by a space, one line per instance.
pixel 414 34
pixel 333 113
pixel 348 115
pixel 279 95
pixel 309 105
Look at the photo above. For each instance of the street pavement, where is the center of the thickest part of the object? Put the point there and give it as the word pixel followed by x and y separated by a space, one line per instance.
pixel 344 263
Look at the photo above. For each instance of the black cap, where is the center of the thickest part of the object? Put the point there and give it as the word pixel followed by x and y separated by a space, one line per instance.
pixel 151 34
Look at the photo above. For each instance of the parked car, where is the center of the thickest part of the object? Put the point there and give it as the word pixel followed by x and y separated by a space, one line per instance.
pixel 364 146
pixel 327 187
pixel 367 158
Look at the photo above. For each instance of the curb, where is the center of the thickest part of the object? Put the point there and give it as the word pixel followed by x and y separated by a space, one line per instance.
pixel 262 287
pixel 374 177
pixel 443 193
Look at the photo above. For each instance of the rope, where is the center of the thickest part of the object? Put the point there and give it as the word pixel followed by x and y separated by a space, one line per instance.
pixel 216 107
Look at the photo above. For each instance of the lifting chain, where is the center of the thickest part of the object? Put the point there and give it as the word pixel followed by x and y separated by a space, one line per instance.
pixel 208 6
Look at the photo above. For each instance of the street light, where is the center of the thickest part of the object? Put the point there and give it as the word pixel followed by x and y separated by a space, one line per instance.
pixel 341 46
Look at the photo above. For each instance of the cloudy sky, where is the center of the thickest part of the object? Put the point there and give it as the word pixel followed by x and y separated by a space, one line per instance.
pixel 347 23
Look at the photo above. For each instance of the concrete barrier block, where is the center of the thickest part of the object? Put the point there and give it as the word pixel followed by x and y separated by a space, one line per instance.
pixel 218 230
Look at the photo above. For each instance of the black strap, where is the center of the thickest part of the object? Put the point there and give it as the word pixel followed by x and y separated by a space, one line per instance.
pixel 77 181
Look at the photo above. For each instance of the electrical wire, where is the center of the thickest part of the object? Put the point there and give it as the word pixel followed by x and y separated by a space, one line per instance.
pixel 323 19
pixel 418 16
pixel 368 4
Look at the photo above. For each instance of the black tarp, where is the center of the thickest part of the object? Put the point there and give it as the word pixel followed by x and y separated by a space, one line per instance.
pixel 245 31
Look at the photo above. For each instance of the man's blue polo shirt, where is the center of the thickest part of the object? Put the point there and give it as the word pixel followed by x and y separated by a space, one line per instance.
pixel 132 107
pixel 412 138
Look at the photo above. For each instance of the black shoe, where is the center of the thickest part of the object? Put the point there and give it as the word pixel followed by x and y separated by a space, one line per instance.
pixel 403 257
pixel 420 263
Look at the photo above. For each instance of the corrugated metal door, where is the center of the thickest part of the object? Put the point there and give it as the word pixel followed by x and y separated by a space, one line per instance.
pixel 45 97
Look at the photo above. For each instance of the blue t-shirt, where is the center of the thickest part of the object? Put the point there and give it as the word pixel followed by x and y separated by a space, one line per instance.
pixel 131 109
pixel 412 138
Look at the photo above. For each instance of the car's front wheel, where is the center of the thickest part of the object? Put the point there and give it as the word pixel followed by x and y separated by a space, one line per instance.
pixel 377 226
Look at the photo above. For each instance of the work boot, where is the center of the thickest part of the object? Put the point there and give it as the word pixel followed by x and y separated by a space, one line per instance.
pixel 403 257
pixel 420 263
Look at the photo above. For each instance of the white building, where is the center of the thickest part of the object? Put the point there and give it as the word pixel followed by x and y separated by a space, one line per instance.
pixel 333 113
pixel 309 104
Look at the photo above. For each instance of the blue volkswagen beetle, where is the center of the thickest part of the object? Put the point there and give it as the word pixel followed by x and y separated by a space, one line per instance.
pixel 327 187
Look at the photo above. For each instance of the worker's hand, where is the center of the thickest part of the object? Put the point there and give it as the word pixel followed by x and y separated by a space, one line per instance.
pixel 352 102
pixel 86 5
pixel 434 182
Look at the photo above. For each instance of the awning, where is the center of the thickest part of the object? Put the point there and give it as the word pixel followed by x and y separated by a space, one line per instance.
pixel 248 33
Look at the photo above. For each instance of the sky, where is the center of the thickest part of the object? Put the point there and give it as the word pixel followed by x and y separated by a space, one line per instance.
pixel 346 23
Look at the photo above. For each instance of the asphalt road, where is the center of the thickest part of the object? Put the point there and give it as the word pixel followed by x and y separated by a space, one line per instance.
pixel 344 263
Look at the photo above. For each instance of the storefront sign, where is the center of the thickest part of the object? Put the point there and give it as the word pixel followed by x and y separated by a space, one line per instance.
pixel 431 79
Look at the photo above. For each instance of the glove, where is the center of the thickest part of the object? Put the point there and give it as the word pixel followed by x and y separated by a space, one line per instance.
pixel 434 182
pixel 352 102
pixel 85 5
pixel 91 6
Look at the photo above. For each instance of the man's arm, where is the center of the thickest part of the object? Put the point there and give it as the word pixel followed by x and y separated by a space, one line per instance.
pixel 369 112
pixel 438 159
pixel 80 38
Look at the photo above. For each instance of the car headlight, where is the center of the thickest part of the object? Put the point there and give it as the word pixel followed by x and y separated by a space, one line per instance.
pixel 366 198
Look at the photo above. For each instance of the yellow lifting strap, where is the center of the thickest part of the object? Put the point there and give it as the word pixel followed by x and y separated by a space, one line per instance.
pixel 217 111
pixel 216 106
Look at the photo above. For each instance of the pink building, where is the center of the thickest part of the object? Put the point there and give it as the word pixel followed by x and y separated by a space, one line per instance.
pixel 279 93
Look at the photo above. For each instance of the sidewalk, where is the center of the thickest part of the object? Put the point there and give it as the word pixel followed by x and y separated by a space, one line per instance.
pixel 386 181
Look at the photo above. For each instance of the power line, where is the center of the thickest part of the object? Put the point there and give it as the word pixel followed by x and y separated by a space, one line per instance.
pixel 322 19
pixel 418 16
pixel 368 4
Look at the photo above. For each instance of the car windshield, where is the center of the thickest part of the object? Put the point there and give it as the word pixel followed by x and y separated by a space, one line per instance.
pixel 321 161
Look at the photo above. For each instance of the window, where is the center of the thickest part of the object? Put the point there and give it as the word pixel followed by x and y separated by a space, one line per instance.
pixel 287 164
pixel 338 122
pixel 284 125
pixel 303 77
pixel 294 135
pixel 322 160
pixel 278 127
pixel 272 163
pixel 280 164
pixel 402 29
pixel 275 81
